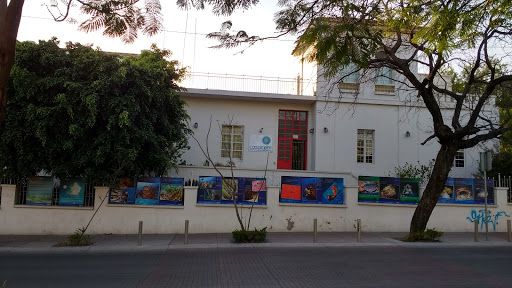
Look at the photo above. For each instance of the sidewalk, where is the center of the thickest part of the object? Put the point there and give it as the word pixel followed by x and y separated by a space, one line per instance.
pixel 161 242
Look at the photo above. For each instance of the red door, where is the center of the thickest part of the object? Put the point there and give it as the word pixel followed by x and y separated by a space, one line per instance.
pixel 292 140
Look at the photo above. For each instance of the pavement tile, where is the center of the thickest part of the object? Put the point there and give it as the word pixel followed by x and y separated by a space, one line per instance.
pixel 163 242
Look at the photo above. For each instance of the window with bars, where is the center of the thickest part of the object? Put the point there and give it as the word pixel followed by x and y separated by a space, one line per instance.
pixel 385 76
pixel 365 144
pixel 349 77
pixel 459 159
pixel 232 141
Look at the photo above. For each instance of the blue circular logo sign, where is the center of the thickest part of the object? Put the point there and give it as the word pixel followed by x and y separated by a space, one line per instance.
pixel 266 140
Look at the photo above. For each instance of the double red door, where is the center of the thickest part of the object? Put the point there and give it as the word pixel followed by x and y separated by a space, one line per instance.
pixel 292 140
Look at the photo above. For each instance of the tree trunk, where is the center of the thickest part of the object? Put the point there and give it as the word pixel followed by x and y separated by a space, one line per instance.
pixel 435 186
pixel 10 17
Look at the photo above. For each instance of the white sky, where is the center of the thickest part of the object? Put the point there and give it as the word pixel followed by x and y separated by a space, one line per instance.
pixel 272 58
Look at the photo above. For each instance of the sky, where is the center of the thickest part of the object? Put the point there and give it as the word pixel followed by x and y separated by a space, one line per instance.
pixel 185 35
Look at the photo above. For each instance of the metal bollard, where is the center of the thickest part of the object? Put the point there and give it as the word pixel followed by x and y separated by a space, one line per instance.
pixel 476 230
pixel 186 232
pixel 358 230
pixel 314 230
pixel 509 235
pixel 140 234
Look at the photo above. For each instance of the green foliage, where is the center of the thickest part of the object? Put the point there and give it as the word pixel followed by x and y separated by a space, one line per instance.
pixel 429 235
pixel 80 112
pixel 79 238
pixel 501 164
pixel 245 236
pixel 420 171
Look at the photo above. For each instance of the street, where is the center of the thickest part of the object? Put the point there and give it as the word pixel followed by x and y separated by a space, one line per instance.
pixel 264 267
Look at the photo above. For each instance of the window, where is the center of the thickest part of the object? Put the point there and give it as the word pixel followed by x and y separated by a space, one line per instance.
pixel 365 141
pixel 384 81
pixel 232 141
pixel 459 159
pixel 385 76
pixel 350 73
pixel 350 77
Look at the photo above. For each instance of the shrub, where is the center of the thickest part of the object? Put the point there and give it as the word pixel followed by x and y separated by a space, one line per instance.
pixel 79 239
pixel 429 235
pixel 244 236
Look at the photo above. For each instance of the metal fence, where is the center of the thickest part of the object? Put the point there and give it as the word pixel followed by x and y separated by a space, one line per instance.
pixel 22 187
pixel 247 83
pixel 504 181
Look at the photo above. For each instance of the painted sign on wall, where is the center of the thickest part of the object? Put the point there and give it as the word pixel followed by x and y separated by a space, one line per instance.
pixel 215 190
pixel 311 190
pixel 388 190
pixel 491 218
pixel 72 192
pixel 259 143
pixel 467 191
pixel 39 190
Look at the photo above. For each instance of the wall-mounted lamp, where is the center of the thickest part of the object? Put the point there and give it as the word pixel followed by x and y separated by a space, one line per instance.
pixel 407 134
pixel 261 130
pixel 196 125
pixel 312 130
pixel 326 130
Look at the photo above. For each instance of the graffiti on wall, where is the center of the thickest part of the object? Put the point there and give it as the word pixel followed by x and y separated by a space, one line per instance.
pixel 491 218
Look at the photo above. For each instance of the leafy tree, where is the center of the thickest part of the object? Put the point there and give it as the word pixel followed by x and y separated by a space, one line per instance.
pixel 404 35
pixel 83 112
pixel 119 18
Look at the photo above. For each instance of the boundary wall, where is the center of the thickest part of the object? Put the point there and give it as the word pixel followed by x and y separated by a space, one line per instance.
pixel 208 218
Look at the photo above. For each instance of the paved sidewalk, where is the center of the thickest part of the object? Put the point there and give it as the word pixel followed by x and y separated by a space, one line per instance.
pixel 163 242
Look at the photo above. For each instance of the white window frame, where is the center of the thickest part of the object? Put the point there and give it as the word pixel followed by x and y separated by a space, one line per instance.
pixel 460 159
pixel 365 146
pixel 235 143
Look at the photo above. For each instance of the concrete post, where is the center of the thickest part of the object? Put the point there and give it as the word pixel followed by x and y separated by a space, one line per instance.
pixel 139 242
pixel 509 235
pixel 314 230
pixel 186 232
pixel 358 230
pixel 476 230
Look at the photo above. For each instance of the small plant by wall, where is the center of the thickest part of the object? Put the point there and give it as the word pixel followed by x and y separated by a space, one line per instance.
pixel 429 235
pixel 245 236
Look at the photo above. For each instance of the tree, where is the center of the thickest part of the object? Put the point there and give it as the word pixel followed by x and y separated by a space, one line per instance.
pixel 80 112
pixel 120 18
pixel 403 35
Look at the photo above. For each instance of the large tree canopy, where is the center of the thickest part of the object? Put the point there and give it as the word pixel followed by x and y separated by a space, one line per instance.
pixel 119 18
pixel 83 112
pixel 405 35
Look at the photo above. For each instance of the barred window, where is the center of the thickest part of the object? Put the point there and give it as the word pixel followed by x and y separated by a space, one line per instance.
pixel 350 73
pixel 385 76
pixel 365 141
pixel 459 159
pixel 232 141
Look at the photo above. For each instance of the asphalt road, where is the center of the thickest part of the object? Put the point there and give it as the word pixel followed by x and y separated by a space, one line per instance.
pixel 265 267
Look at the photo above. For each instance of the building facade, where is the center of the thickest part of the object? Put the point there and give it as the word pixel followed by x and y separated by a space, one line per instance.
pixel 352 128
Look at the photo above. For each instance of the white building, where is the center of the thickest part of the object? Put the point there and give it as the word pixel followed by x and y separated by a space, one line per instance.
pixel 363 128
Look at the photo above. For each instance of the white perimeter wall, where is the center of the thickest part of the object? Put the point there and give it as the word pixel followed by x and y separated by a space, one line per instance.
pixel 277 217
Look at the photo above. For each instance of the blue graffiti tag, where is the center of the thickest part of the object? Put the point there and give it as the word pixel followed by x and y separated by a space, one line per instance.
pixel 480 216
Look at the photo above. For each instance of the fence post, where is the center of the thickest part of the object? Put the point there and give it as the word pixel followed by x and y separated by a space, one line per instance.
pixel 314 230
pixel 139 242
pixel 186 232
pixel 476 230
pixel 358 230
pixel 509 235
